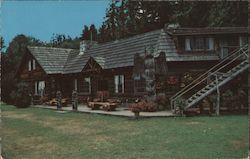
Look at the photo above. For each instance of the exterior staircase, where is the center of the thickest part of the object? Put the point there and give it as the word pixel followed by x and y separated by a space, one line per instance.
pixel 213 79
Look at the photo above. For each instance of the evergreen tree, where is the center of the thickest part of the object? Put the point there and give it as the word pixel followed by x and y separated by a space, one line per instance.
pixel 228 14
pixel 85 33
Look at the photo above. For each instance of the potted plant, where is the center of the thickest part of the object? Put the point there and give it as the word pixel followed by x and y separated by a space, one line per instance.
pixel 180 105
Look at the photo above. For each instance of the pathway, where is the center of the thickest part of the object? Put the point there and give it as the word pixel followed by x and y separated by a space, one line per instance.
pixel 120 111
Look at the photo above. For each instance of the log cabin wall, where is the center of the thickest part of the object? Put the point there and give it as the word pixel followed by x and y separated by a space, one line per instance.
pixel 128 81
pixel 33 75
pixel 101 81
pixel 174 80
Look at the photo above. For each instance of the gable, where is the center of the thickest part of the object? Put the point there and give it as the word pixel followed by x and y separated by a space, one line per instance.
pixel 92 65
pixel 51 59
pixel 23 71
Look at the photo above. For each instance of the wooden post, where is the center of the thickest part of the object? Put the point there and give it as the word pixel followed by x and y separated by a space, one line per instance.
pixel 218 97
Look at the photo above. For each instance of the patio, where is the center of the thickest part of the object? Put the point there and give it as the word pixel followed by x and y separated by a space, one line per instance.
pixel 120 111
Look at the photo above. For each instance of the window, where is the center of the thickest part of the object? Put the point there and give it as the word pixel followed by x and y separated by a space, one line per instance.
pixel 75 84
pixel 119 83
pixel 209 44
pixel 243 41
pixel 199 44
pixel 187 44
pixel 39 88
pixel 87 85
pixel 140 85
pixel 32 65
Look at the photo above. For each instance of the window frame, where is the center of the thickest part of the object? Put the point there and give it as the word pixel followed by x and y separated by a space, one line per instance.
pixel 37 90
pixel 29 65
pixel 119 80
pixel 33 64
pixel 75 84
pixel 89 85
pixel 199 43
pixel 241 40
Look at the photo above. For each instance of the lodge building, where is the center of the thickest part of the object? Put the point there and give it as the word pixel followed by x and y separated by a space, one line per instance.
pixel 180 55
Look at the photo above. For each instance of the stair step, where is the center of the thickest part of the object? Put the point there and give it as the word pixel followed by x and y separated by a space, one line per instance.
pixel 199 93
pixel 222 78
pixel 202 91
pixel 238 67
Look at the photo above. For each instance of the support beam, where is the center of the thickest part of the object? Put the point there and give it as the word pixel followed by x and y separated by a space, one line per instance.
pixel 218 97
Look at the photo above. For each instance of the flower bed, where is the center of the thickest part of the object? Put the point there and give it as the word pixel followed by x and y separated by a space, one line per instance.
pixel 144 106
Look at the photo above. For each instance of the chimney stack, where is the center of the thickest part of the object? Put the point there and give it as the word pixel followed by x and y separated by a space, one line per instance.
pixel 85 45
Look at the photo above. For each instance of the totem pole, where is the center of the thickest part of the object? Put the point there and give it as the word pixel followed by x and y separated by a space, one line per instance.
pixel 74 100
pixel 149 64
pixel 59 100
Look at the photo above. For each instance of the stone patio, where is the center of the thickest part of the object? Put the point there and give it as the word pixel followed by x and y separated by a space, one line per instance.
pixel 120 111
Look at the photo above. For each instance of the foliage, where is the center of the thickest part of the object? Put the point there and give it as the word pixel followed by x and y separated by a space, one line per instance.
pixel 11 60
pixel 63 41
pixel 228 14
pixel 180 103
pixel 89 33
pixel 21 97
pixel 162 101
pixel 228 93
pixel 1 43
pixel 126 18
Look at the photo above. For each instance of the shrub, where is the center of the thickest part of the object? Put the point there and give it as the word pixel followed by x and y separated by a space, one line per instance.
pixel 135 108
pixel 162 101
pixel 21 97
pixel 180 105
pixel 144 106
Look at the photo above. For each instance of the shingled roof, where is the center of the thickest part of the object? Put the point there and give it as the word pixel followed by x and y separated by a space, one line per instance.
pixel 119 53
pixel 206 30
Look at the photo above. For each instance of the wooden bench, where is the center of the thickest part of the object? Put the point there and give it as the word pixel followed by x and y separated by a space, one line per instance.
pixel 107 106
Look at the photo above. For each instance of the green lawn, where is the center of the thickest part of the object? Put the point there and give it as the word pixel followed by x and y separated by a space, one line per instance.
pixel 38 134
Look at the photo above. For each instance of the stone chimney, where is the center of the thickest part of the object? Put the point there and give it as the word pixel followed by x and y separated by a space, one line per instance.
pixel 85 45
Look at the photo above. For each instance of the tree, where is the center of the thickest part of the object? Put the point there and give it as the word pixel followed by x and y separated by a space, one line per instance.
pixel 228 14
pixel 85 33
pixel 2 44
pixel 92 32
pixel 11 60
pixel 63 41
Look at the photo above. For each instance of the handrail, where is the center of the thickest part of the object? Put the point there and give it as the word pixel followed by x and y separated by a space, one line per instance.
pixel 214 71
pixel 209 71
pixel 187 88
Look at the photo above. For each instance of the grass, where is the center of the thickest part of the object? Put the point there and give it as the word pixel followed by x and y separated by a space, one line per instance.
pixel 38 133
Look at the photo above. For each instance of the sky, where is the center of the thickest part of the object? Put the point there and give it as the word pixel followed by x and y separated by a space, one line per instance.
pixel 41 19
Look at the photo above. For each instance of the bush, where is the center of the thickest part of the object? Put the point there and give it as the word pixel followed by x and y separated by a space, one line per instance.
pixel 163 102
pixel 180 105
pixel 21 97
pixel 144 106
pixel 8 84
